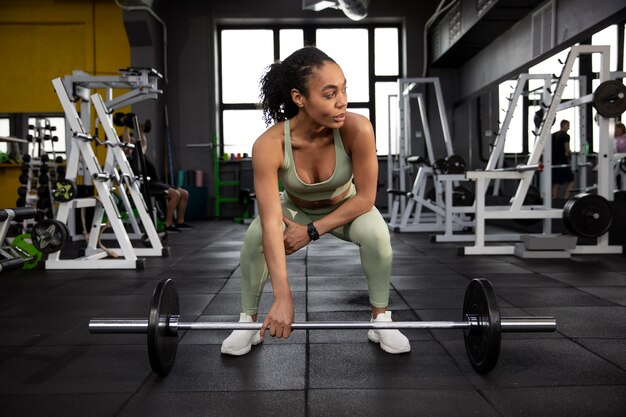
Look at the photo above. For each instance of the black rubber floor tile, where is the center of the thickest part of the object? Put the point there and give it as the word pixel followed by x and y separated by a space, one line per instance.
pixel 417 282
pixel 587 322
pixel 296 283
pixel 187 286
pixel 406 402
pixel 425 299
pixel 550 297
pixel 358 336
pixel 101 286
pixel 196 271
pixel 521 280
pixel 476 270
pixel 67 405
pixel 334 270
pixel 610 349
pixel 217 404
pixel 72 305
pixel 341 283
pixel 321 301
pixel 333 260
pixel 541 363
pixel 204 368
pixel 230 303
pixel 593 401
pixel 366 366
pixel 599 278
pixel 614 294
pixel 75 369
pixel 33 331
pixel 422 268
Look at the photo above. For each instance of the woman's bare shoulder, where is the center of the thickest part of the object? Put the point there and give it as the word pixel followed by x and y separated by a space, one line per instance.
pixel 269 146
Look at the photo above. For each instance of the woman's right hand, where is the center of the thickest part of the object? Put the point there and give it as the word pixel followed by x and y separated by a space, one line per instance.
pixel 279 318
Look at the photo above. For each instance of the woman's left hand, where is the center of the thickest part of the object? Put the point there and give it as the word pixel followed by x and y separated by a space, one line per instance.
pixel 295 236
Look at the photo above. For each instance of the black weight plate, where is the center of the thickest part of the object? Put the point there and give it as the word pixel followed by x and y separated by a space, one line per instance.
pixel 587 215
pixel 162 344
pixel 49 235
pixel 609 99
pixel 482 342
pixel 622 165
pixel 440 166
pixel 64 190
pixel 456 164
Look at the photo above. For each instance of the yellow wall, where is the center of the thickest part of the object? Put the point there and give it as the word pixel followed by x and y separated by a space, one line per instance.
pixel 44 39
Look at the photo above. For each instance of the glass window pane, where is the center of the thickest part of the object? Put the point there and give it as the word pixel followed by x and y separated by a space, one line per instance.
pixel 386 51
pixel 5 130
pixel 49 146
pixel 245 56
pixel 241 129
pixel 349 48
pixel 386 122
pixel 553 66
pixel 607 36
pixel 290 40
pixel 513 136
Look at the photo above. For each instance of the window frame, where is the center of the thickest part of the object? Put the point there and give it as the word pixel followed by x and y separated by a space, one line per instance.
pixel 309 34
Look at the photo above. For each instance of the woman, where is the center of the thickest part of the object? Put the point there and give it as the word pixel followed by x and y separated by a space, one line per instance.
pixel 325 158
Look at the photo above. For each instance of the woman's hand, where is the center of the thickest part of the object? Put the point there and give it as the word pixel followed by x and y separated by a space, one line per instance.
pixel 279 318
pixel 295 236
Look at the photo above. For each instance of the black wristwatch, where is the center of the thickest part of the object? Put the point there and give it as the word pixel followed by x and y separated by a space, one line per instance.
pixel 313 233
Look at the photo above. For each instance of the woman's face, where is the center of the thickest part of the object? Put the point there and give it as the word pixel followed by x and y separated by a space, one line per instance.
pixel 327 101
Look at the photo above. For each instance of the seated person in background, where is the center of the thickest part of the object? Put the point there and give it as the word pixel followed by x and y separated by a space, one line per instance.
pixel 620 138
pixel 177 198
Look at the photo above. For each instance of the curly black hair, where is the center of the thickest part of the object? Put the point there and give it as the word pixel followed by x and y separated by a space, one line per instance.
pixel 281 77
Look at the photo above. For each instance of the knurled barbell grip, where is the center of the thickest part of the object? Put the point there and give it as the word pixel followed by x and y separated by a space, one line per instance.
pixel 507 324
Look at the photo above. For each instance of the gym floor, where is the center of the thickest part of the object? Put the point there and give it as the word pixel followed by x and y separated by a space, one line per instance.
pixel 51 366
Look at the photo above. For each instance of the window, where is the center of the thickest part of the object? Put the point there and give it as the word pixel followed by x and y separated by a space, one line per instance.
pixel 513 141
pixel 5 130
pixel 46 129
pixel 371 72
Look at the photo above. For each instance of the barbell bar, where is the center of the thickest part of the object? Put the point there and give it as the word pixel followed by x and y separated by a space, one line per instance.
pixel 173 325
pixel 482 326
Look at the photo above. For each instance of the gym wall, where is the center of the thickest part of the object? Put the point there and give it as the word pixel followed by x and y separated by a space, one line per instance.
pixel 44 39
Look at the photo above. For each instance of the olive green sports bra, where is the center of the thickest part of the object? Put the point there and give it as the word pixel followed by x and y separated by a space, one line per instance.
pixel 339 181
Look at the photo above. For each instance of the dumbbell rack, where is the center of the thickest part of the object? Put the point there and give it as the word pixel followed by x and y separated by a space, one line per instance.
pixel 95 258
pixel 126 181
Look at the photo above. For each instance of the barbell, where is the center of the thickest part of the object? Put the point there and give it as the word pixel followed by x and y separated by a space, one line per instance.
pixel 482 326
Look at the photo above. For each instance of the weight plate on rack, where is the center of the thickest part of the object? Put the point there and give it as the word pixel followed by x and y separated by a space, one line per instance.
pixel 456 164
pixel 482 342
pixel 162 344
pixel 609 99
pixel 588 215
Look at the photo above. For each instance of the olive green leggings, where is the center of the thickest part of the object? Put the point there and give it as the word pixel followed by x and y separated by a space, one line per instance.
pixel 368 231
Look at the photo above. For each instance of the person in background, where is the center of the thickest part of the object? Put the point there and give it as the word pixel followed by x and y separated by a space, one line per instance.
pixel 620 138
pixel 177 198
pixel 562 175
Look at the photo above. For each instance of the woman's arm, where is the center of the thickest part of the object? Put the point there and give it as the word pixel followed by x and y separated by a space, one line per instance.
pixel 266 160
